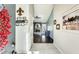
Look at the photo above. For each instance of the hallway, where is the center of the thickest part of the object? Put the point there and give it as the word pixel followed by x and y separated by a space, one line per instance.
pixel 44 48
pixel 45 23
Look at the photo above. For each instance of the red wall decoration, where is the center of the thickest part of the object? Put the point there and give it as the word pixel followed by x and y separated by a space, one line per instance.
pixel 4 27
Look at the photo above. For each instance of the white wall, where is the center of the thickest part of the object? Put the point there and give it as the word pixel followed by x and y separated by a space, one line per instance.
pixel 66 41
pixel 24 34
pixel 50 24
pixel 43 11
pixel 31 18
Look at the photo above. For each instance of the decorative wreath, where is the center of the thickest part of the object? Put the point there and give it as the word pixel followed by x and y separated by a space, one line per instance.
pixel 4 27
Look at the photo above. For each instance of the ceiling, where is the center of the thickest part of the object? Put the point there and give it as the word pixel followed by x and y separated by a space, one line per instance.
pixel 43 12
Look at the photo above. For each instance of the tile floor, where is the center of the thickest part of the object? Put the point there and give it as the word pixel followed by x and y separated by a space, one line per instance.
pixel 42 39
pixel 44 48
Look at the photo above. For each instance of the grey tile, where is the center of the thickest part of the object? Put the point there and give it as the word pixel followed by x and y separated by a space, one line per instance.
pixel 45 48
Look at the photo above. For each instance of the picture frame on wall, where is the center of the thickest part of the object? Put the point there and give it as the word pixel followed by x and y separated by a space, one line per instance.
pixel 55 22
pixel 71 21
pixel 58 26
pixel 37 27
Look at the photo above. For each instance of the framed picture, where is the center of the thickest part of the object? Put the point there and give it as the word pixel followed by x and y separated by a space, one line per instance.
pixel 37 27
pixel 58 26
pixel 55 22
pixel 71 21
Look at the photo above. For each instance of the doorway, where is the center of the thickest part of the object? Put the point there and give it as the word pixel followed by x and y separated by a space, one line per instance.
pixel 40 33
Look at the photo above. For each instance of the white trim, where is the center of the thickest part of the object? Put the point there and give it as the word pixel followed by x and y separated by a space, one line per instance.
pixel 61 51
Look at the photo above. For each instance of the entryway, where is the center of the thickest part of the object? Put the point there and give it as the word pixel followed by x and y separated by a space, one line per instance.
pixel 41 34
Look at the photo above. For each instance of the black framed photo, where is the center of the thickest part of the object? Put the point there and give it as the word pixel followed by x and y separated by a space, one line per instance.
pixel 58 26
pixel 55 22
pixel 37 27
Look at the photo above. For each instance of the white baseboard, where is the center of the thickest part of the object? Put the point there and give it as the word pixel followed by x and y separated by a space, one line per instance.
pixel 61 51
